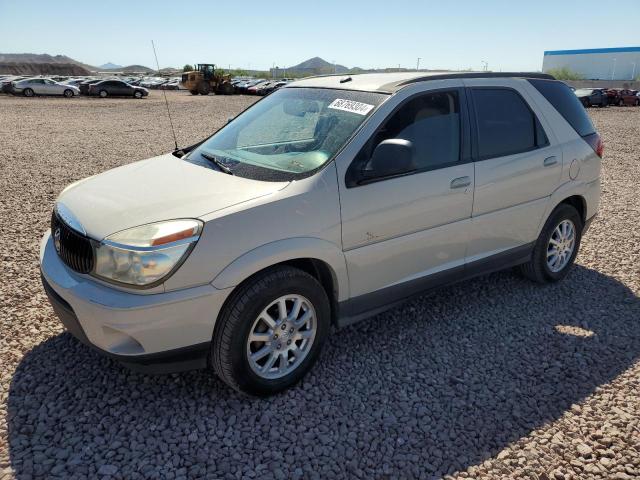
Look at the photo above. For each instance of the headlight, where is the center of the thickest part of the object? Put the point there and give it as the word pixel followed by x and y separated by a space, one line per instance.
pixel 145 255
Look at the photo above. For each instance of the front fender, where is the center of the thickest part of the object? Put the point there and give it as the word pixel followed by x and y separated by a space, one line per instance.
pixel 282 250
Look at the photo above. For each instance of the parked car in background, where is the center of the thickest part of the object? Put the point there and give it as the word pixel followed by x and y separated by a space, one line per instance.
pixel 5 83
pixel 84 86
pixel 628 98
pixel 253 90
pixel 172 84
pixel 591 96
pixel 612 96
pixel 243 87
pixel 116 88
pixel 271 87
pixel 43 86
pixel 75 82
pixel 392 196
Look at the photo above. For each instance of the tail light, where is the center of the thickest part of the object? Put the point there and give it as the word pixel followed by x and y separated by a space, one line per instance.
pixel 595 141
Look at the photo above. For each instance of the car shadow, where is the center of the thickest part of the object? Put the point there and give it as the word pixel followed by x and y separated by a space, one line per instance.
pixel 432 387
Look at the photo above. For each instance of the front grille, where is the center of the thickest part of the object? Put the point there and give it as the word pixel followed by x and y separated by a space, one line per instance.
pixel 74 249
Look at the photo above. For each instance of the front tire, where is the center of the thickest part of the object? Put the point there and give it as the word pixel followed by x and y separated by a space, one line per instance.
pixel 68 93
pixel 103 94
pixel 137 94
pixel 557 246
pixel 586 103
pixel 270 332
pixel 28 92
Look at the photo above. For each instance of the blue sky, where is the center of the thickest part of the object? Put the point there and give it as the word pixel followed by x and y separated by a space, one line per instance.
pixel 250 34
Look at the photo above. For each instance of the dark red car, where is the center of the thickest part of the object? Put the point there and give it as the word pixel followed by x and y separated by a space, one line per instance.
pixel 628 98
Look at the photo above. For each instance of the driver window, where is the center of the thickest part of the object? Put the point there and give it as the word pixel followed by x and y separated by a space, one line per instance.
pixel 431 122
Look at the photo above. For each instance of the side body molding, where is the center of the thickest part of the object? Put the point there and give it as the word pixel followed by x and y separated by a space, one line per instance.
pixel 282 250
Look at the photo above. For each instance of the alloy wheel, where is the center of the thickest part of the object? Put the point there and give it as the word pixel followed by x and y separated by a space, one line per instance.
pixel 561 245
pixel 282 336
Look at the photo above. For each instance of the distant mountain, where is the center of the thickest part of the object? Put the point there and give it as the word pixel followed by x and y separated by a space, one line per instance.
pixel 25 58
pixel 318 66
pixel 110 66
pixel 39 68
pixel 137 69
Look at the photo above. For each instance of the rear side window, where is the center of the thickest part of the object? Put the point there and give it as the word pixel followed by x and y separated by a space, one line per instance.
pixel 566 103
pixel 505 124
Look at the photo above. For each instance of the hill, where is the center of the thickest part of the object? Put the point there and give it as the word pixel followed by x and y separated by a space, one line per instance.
pixel 28 58
pixel 318 66
pixel 137 69
pixel 28 68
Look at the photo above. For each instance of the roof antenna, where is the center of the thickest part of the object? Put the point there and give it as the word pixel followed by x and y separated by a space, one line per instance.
pixel 166 102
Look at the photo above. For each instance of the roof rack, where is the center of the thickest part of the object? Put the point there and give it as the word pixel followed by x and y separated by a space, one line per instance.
pixel 446 76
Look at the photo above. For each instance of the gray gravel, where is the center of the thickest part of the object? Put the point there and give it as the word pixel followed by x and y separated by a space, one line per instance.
pixel 491 378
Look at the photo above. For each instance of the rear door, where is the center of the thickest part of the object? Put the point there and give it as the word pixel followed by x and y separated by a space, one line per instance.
pixel 518 164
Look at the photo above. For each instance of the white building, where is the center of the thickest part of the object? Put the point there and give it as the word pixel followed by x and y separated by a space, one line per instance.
pixel 596 63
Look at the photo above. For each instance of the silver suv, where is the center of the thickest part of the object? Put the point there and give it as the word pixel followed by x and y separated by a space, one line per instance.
pixel 327 202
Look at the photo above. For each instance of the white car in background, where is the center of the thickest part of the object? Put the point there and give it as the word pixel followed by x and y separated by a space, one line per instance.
pixel 43 86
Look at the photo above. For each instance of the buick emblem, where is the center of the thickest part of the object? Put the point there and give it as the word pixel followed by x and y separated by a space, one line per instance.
pixel 56 239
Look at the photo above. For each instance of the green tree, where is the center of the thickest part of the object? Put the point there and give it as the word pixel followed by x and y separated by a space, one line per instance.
pixel 565 73
pixel 187 68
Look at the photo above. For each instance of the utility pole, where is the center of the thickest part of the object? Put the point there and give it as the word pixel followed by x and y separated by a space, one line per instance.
pixel 613 70
pixel 418 64
pixel 633 72
pixel 486 65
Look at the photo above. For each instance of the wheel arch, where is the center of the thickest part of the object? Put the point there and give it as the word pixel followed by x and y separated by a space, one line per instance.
pixel 321 259
pixel 579 203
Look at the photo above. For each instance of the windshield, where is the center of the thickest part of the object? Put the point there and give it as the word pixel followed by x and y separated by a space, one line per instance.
pixel 289 134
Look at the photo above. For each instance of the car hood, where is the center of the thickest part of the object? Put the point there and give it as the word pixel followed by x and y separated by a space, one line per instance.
pixel 160 188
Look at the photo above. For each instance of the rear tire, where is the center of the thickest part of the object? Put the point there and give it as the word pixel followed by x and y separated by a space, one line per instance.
pixel 103 94
pixel 285 362
pixel 193 92
pixel 28 92
pixel 540 268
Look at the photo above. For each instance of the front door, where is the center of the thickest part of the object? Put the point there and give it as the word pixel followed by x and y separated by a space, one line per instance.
pixel 397 231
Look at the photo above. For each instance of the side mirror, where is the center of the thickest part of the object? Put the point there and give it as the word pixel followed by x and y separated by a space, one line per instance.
pixel 391 157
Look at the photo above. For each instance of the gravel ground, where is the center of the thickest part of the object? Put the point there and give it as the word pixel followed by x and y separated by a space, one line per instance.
pixel 491 378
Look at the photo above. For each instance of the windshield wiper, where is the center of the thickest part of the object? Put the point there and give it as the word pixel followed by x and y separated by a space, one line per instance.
pixel 224 168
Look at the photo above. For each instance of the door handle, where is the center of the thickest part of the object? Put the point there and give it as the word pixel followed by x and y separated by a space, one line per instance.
pixel 549 161
pixel 460 182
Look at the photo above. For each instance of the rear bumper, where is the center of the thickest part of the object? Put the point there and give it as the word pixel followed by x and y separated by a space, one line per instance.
pixel 159 332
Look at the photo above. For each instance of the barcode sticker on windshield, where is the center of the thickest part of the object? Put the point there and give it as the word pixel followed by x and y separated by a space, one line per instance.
pixel 351 106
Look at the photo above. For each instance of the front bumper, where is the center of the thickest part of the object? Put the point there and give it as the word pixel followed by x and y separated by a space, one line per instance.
pixel 159 332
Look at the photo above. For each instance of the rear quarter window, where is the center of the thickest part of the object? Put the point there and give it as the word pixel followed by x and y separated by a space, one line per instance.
pixel 566 103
